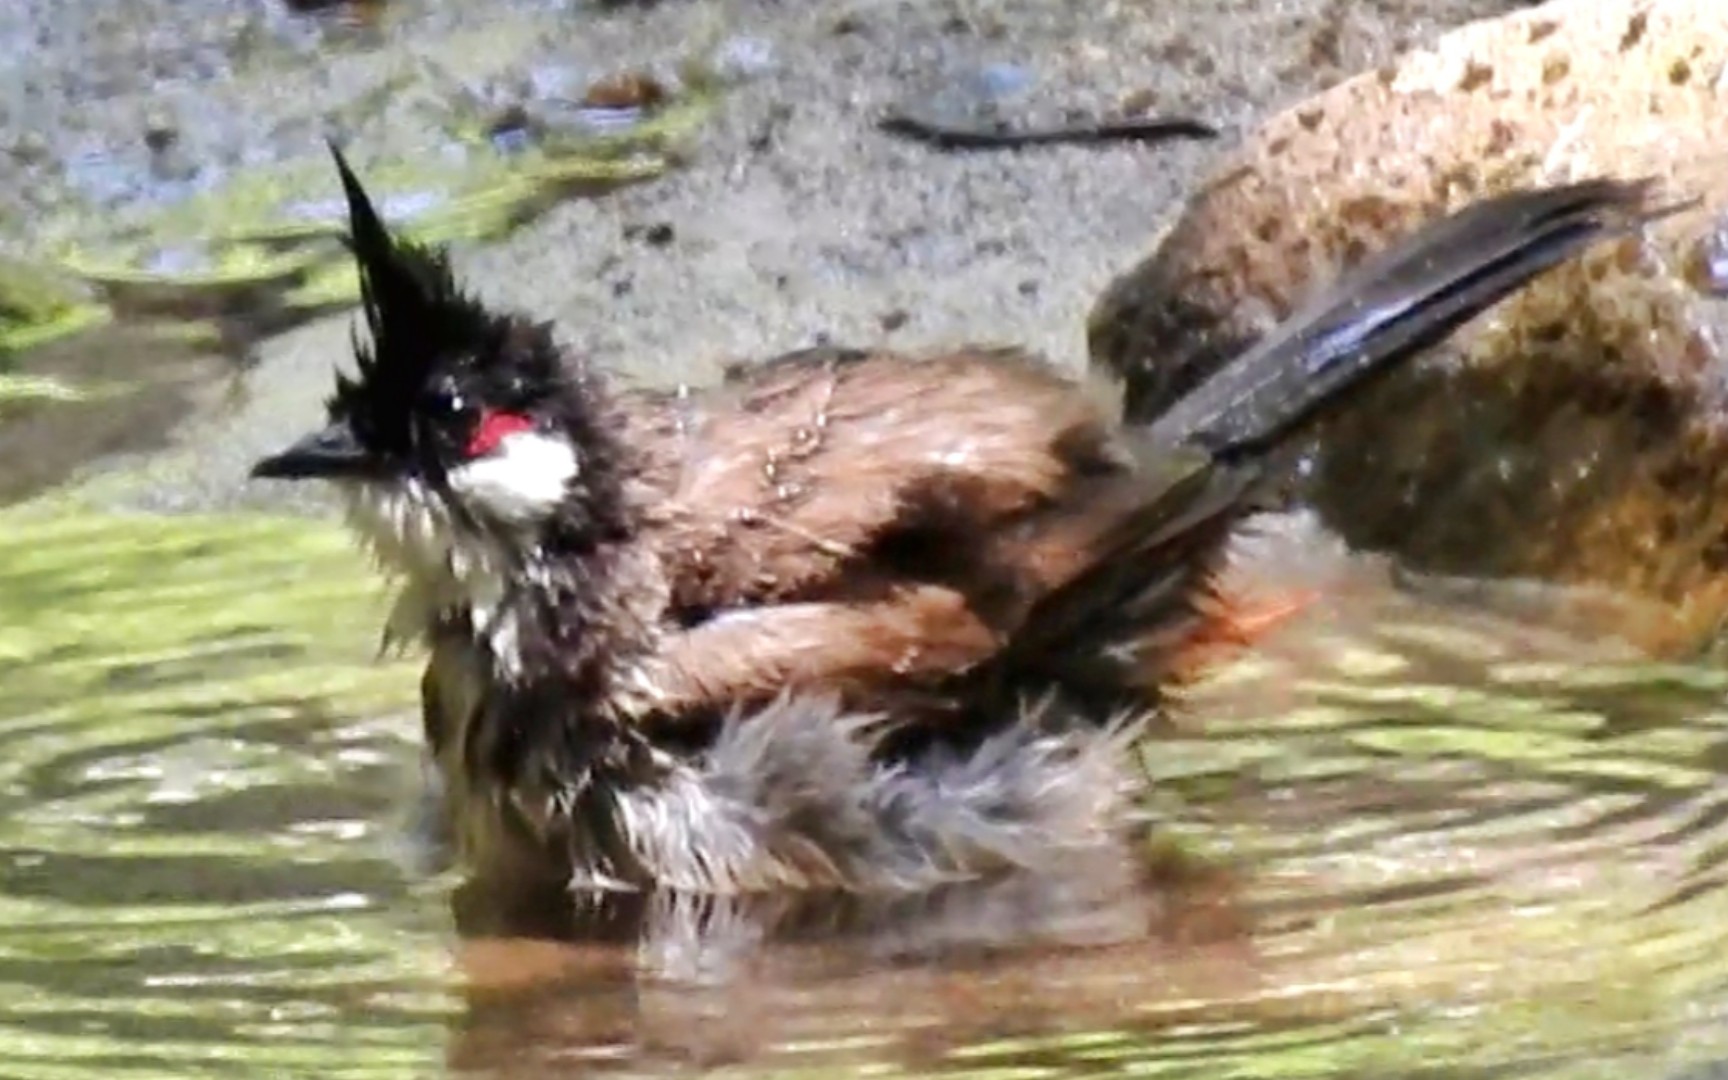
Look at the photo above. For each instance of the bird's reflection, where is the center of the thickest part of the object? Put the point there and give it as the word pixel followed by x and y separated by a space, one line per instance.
pixel 565 985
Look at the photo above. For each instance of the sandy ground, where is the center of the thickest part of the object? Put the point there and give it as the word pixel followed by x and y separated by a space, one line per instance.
pixel 795 219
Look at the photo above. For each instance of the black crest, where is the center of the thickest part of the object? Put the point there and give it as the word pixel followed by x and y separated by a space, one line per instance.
pixel 419 321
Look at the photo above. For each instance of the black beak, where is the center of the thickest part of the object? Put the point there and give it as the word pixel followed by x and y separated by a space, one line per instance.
pixel 331 454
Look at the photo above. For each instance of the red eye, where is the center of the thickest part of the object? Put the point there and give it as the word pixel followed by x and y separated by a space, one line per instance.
pixel 494 427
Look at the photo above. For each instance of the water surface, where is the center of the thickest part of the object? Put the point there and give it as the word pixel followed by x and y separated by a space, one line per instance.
pixel 1407 839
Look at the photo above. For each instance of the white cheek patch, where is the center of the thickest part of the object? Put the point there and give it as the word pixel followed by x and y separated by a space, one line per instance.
pixel 521 481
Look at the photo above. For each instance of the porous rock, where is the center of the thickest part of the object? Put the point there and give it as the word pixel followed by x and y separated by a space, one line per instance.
pixel 1574 434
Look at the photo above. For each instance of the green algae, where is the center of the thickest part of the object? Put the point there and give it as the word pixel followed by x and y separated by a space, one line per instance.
pixel 38 305
pixel 258 248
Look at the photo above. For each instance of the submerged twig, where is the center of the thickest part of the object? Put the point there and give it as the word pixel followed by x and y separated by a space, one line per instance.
pixel 1004 137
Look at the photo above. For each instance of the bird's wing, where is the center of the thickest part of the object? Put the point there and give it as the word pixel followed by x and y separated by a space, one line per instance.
pixel 802 474
pixel 1120 623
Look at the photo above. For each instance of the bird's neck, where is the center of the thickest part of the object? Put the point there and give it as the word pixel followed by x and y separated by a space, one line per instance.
pixel 535 617
pixel 537 659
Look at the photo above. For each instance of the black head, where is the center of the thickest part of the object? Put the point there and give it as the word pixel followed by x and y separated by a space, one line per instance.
pixel 473 407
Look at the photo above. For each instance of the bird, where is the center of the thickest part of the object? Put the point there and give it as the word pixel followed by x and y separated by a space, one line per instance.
pixel 848 619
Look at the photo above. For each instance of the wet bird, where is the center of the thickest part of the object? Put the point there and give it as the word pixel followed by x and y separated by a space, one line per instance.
pixel 848 619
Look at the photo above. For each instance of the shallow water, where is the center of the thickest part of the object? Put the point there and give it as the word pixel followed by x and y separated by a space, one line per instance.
pixel 1404 840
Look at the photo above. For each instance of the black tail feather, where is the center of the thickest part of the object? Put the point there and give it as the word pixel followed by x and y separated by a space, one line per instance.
pixel 1394 305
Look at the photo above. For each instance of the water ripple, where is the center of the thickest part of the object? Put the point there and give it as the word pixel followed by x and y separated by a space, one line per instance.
pixel 1399 841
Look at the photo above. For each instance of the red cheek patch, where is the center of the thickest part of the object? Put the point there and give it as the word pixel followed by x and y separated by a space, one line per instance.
pixel 494 427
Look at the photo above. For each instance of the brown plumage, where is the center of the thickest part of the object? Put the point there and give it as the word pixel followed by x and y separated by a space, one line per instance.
pixel 849 619
pixel 880 521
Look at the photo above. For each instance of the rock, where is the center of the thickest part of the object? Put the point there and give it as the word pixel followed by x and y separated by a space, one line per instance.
pixel 742 59
pixel 1573 435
